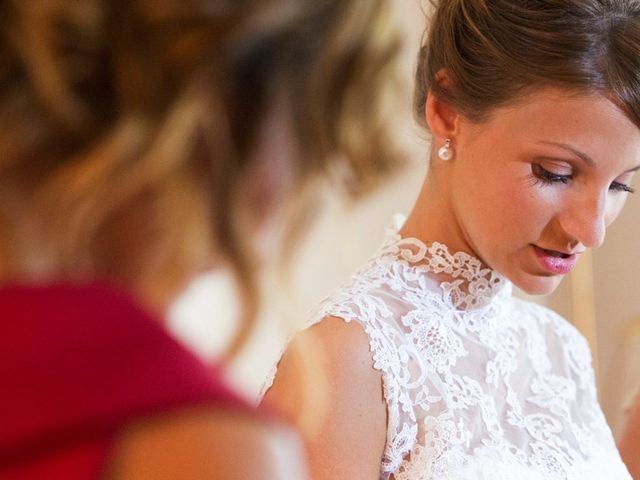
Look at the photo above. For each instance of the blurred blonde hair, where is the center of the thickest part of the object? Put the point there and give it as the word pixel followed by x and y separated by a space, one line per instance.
pixel 127 128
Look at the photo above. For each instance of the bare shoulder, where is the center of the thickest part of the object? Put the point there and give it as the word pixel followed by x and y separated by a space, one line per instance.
pixel 330 358
pixel 205 444
pixel 327 385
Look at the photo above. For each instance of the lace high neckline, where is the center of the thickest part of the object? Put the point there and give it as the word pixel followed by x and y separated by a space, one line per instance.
pixel 466 283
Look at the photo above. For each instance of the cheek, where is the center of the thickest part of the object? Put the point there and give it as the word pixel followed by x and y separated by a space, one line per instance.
pixel 515 206
pixel 517 215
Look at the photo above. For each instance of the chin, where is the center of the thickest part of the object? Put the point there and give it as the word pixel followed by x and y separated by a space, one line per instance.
pixel 537 284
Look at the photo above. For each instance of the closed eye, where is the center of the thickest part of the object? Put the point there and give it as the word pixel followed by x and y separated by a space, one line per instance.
pixel 548 177
pixel 621 187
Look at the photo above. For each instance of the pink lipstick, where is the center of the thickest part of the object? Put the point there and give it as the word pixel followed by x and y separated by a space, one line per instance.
pixel 555 262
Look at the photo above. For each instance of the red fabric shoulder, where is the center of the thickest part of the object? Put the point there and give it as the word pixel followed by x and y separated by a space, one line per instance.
pixel 79 362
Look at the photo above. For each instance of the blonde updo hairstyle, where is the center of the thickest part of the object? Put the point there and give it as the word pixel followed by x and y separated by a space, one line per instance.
pixel 127 128
pixel 495 52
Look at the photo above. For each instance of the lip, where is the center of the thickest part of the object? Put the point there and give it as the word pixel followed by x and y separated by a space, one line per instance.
pixel 555 261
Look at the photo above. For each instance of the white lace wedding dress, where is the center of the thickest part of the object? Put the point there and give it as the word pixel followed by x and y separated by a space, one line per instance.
pixel 478 384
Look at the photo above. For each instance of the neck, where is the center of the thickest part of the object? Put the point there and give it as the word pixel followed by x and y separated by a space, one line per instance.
pixel 433 217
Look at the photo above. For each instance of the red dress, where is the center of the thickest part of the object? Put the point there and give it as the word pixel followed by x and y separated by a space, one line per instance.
pixel 77 363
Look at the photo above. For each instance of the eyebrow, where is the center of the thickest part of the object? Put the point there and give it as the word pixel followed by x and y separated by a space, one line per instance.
pixel 583 156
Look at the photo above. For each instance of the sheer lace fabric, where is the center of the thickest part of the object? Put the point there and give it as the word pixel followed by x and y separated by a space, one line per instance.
pixel 478 384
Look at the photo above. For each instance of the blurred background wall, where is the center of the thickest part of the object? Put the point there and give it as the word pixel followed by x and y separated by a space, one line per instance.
pixel 344 235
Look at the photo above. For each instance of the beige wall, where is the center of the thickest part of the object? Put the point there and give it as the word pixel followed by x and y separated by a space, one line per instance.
pixel 344 236
pixel 617 301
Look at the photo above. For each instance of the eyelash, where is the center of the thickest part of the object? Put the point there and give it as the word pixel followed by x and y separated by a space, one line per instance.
pixel 548 178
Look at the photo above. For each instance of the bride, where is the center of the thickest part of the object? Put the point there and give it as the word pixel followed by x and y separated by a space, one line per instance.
pixel 427 366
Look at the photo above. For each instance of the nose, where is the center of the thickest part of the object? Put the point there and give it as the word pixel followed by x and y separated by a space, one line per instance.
pixel 586 220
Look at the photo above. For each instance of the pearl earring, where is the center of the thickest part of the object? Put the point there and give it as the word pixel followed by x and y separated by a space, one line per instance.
pixel 445 152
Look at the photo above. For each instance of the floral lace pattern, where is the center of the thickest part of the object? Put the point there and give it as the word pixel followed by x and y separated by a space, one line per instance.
pixel 478 384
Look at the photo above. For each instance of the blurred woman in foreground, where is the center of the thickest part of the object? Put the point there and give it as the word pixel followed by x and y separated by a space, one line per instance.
pixel 140 143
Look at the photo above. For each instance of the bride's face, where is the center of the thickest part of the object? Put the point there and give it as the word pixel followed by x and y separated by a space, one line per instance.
pixel 539 183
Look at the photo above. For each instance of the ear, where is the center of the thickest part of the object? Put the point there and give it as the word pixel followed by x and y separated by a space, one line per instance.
pixel 443 119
